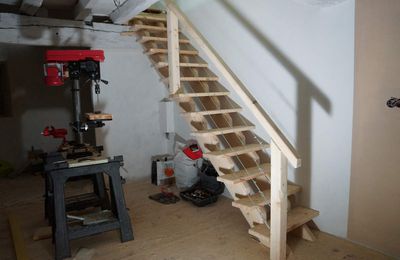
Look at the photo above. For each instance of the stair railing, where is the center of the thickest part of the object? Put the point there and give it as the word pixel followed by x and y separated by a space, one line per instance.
pixel 282 150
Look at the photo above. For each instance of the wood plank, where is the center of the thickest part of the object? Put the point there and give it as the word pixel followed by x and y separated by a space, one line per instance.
pixel 296 217
pixel 145 39
pixel 151 17
pixel 237 150
pixel 161 64
pixel 224 130
pixel 264 119
pixel 129 9
pixel 173 51
pixel 258 200
pixel 98 116
pixel 17 236
pixel 138 27
pixel 69 32
pixel 153 51
pixel 42 233
pixel 198 94
pixel 244 175
pixel 305 233
pixel 199 78
pixel 279 193
pixel 212 112
pixel 30 6
pixel 83 9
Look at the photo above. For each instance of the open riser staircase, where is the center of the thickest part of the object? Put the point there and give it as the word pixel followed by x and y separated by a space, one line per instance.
pixel 227 138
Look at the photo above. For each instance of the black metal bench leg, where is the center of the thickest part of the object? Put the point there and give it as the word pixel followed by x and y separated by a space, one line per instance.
pixel 119 202
pixel 99 189
pixel 60 221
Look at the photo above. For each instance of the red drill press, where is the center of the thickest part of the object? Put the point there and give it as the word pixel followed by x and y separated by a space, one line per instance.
pixel 73 64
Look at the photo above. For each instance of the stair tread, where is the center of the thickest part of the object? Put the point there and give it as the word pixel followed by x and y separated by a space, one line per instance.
pixel 224 130
pixel 152 51
pixel 258 200
pixel 213 112
pixel 296 217
pixel 162 64
pixel 199 94
pixel 138 27
pixel 237 150
pixel 211 78
pixel 144 39
pixel 151 17
pixel 244 175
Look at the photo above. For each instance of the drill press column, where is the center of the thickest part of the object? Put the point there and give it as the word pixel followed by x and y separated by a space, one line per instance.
pixel 76 100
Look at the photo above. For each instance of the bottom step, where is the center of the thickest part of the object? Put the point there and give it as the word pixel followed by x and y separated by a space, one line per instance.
pixel 296 218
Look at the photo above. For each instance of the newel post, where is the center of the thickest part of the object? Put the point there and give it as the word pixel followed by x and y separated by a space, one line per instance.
pixel 173 51
pixel 279 166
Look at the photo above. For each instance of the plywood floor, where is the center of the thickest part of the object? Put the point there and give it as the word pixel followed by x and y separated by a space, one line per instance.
pixel 168 232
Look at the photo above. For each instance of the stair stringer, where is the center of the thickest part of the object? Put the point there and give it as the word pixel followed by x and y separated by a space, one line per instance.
pixel 253 215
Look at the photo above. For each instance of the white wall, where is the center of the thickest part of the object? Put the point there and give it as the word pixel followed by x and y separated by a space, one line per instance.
pixel 34 105
pixel 133 97
pixel 297 60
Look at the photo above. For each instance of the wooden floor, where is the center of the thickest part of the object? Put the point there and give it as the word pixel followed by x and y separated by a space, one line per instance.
pixel 168 232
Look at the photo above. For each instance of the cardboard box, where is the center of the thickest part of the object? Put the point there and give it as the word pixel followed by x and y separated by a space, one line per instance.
pixel 162 170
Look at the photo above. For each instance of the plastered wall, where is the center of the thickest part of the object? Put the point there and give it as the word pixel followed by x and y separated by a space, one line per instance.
pixel 133 97
pixel 297 60
pixel 33 105
pixel 374 213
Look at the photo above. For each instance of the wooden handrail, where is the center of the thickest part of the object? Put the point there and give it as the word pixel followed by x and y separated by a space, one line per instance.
pixel 264 119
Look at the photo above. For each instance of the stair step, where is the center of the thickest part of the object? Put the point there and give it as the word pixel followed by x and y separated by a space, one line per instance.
pixel 213 112
pixel 138 27
pixel 165 51
pixel 237 150
pixel 212 78
pixel 199 94
pixel 245 175
pixel 161 64
pixel 224 130
pixel 258 200
pixel 145 39
pixel 151 17
pixel 295 218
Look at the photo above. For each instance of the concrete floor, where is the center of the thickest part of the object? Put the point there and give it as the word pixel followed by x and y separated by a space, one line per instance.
pixel 168 232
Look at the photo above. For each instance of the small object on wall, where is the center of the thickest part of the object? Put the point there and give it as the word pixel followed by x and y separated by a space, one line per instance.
pixel 167 122
pixel 393 102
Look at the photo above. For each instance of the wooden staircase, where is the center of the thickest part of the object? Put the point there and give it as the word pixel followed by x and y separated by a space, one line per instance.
pixel 239 155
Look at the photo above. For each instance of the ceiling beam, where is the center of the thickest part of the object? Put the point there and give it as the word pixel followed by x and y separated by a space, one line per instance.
pixel 38 31
pixel 30 6
pixel 129 9
pixel 83 9
pixel 10 2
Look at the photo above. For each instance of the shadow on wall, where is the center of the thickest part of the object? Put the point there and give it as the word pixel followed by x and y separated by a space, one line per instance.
pixel 308 92
pixel 32 31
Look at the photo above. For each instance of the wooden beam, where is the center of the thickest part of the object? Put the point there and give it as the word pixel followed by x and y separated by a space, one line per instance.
pixel 278 203
pixel 38 31
pixel 18 238
pixel 264 119
pixel 129 9
pixel 83 9
pixel 30 6
pixel 174 77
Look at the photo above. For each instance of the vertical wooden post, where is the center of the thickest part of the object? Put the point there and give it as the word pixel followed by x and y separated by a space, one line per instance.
pixel 279 166
pixel 173 51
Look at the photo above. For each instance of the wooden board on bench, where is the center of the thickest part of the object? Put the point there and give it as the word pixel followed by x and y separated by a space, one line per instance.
pixel 98 116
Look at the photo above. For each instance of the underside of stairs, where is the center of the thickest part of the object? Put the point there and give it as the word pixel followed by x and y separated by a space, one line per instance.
pixel 241 157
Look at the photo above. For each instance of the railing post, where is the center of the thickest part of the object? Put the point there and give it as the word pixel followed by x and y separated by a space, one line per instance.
pixel 173 52
pixel 279 166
